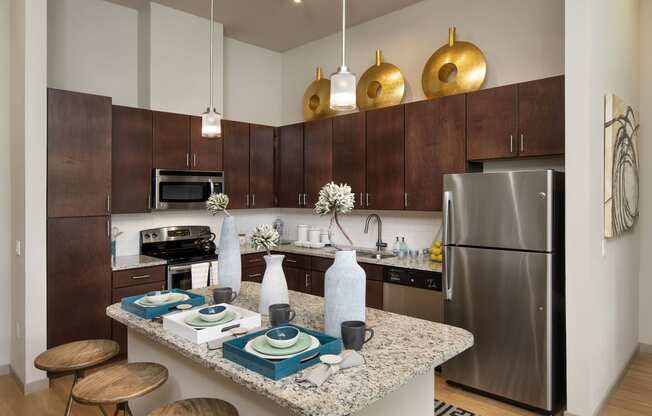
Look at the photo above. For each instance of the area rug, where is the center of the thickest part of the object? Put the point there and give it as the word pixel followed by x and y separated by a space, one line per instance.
pixel 445 409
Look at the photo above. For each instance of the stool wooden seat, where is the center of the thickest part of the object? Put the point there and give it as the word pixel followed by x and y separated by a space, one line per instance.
pixel 76 357
pixel 196 407
pixel 119 384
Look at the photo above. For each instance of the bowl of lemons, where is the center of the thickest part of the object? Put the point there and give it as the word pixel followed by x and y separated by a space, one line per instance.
pixel 436 252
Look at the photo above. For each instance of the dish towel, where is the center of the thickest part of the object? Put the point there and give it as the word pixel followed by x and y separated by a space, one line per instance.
pixel 318 375
pixel 199 275
pixel 213 274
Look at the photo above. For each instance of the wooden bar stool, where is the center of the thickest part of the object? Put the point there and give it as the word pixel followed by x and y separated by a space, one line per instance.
pixel 76 358
pixel 197 407
pixel 119 384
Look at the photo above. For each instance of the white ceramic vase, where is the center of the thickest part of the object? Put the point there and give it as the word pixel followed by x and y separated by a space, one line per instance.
pixel 344 292
pixel 229 266
pixel 274 288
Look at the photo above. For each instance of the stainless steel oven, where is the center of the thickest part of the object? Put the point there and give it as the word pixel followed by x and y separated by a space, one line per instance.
pixel 184 189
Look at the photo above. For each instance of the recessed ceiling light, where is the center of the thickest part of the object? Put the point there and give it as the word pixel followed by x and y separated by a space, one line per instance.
pixel 297 1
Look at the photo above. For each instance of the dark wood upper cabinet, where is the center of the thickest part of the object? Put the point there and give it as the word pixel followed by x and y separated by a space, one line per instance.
pixel 492 123
pixel 236 163
pixel 132 160
pixel 171 141
pixel 541 117
pixel 434 146
pixel 205 154
pixel 79 154
pixel 349 159
pixel 261 166
pixel 385 158
pixel 290 166
pixel 318 157
pixel 79 279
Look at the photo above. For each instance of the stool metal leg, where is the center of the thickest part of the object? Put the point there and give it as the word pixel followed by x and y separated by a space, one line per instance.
pixel 78 374
pixel 126 411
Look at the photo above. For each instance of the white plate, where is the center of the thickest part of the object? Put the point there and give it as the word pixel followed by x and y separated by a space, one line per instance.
pixel 251 350
pixel 301 244
pixel 144 303
pixel 317 245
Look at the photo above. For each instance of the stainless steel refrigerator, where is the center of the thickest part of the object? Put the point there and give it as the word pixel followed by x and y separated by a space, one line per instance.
pixel 503 281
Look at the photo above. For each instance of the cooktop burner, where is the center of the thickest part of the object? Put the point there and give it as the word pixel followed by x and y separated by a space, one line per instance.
pixel 186 244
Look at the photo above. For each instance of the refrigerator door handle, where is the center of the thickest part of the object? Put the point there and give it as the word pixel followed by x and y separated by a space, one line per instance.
pixel 447 274
pixel 446 216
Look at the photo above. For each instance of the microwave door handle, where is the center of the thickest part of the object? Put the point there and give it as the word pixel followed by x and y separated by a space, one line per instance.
pixel 212 184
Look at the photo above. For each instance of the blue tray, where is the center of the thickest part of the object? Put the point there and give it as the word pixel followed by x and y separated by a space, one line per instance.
pixel 151 313
pixel 278 369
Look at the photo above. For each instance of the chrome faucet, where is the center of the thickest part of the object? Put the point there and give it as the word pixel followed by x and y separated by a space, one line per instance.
pixel 379 244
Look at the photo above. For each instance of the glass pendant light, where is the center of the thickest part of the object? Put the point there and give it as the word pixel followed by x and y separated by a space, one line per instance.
pixel 343 82
pixel 211 120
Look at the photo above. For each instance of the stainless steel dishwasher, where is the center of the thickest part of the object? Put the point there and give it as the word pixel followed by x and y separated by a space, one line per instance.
pixel 413 293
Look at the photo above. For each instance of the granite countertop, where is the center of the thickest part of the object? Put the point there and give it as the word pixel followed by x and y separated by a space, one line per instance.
pixel 420 263
pixel 135 262
pixel 402 349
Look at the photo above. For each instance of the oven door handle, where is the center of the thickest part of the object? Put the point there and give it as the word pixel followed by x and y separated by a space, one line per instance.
pixel 173 269
pixel 212 186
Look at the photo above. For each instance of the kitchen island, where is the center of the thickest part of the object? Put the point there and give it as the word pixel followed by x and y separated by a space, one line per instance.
pixel 398 376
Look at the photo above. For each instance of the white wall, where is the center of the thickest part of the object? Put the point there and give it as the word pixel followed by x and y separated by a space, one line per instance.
pixel 645 154
pixel 179 61
pixel 522 40
pixel 602 56
pixel 92 48
pixel 5 189
pixel 28 168
pixel 252 83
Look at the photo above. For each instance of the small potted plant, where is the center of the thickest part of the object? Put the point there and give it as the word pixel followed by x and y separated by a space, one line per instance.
pixel 345 282
pixel 229 266
pixel 274 288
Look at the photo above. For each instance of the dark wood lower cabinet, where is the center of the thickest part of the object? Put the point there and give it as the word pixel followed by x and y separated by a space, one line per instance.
pixel 79 279
pixel 374 294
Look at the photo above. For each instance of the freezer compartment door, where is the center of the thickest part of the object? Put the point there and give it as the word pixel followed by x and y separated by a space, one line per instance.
pixel 504 299
pixel 512 210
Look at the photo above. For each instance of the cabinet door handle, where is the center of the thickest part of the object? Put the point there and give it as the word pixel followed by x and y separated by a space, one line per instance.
pixel 511 143
pixel 361 204
pixel 307 280
pixel 108 204
pixel 194 159
pixel 188 160
pixel 144 276
pixel 254 275
pixel 299 203
pixel 149 200
pixel 367 195
pixel 108 228
pixel 522 146
pixel 304 199
pixel 290 261
pixel 253 200
pixel 247 201
pixel 405 197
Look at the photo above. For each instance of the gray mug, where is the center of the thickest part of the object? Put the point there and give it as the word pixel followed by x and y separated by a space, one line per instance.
pixel 223 295
pixel 353 334
pixel 280 314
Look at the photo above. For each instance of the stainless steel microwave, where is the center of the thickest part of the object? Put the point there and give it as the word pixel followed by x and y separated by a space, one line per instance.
pixel 184 189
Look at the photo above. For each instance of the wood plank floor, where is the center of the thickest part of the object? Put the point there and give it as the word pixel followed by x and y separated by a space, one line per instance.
pixel 633 397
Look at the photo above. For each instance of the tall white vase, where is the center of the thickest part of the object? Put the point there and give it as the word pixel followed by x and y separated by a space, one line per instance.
pixel 274 288
pixel 229 266
pixel 344 292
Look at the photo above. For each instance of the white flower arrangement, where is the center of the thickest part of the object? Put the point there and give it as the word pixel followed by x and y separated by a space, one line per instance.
pixel 217 203
pixel 335 199
pixel 264 236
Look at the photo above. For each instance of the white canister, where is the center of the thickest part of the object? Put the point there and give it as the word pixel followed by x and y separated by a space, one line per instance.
pixel 313 235
pixel 324 238
pixel 302 233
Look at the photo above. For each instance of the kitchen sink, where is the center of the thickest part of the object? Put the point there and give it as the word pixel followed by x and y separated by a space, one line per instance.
pixel 375 255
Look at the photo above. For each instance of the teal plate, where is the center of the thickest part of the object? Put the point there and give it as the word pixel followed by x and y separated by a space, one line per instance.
pixel 261 345
pixel 195 320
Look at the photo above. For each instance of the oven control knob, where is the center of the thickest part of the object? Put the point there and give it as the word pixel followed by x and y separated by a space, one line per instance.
pixel 154 235
pixel 146 236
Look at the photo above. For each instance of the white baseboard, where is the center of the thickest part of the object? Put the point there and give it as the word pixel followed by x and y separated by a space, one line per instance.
pixel 647 348
pixel 5 369
pixel 33 387
pixel 615 385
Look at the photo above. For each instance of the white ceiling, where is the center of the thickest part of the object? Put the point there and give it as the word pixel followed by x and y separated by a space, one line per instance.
pixel 280 25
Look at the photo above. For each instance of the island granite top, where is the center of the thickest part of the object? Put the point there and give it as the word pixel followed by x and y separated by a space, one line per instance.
pixel 135 262
pixel 402 349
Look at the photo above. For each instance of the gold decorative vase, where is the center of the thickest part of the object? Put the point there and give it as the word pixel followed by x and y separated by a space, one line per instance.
pixel 316 99
pixel 382 85
pixel 455 68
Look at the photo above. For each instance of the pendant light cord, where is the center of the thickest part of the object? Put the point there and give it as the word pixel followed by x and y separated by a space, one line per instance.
pixel 212 45
pixel 343 33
